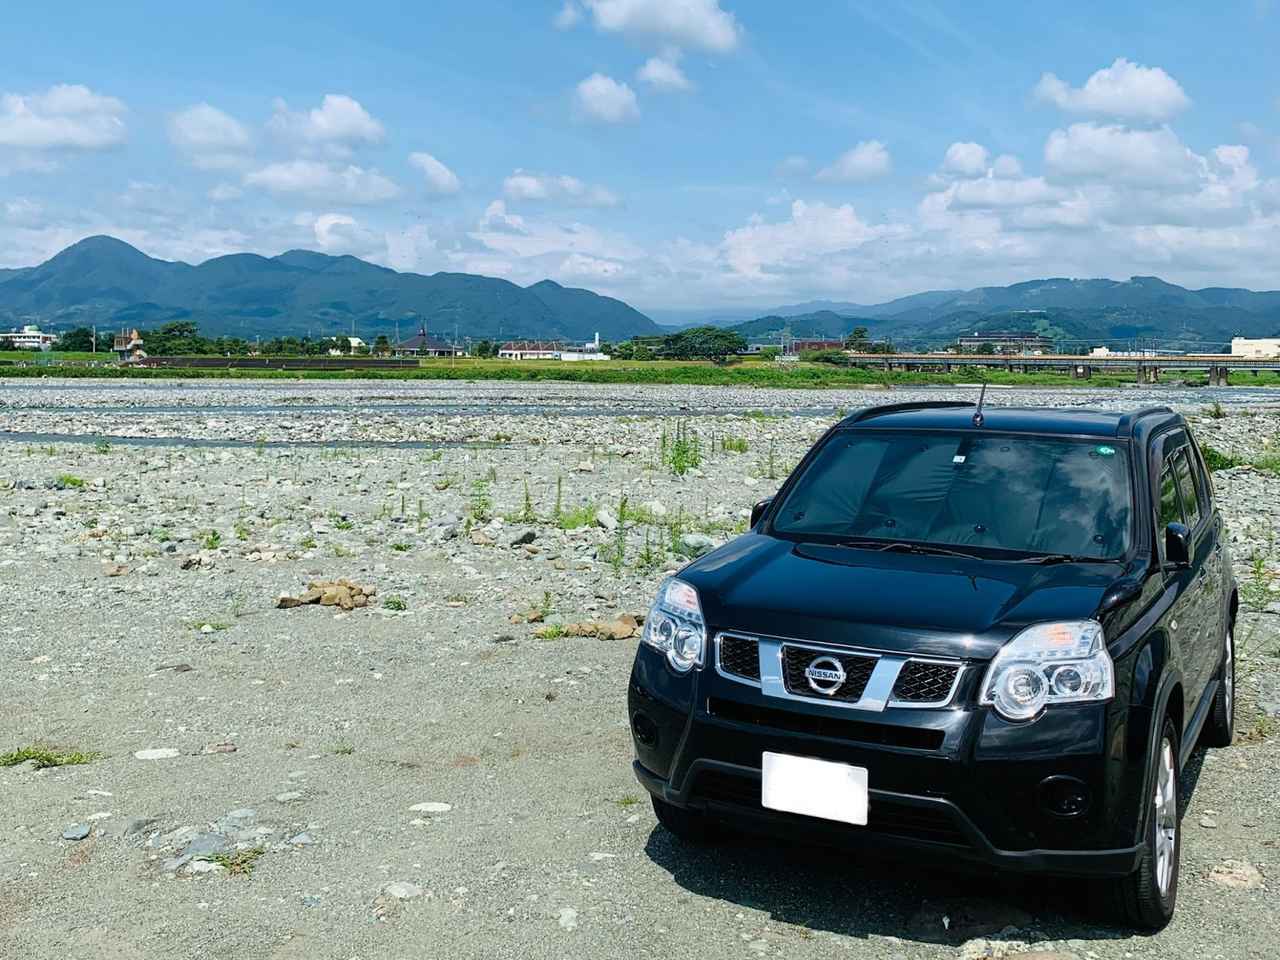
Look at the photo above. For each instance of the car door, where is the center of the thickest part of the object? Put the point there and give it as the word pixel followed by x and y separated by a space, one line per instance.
pixel 1200 626
pixel 1217 576
pixel 1184 612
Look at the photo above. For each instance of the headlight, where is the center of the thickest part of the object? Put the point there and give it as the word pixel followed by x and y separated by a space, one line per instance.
pixel 1049 663
pixel 675 625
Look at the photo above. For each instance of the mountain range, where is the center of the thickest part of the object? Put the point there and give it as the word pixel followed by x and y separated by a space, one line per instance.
pixel 105 281
pixel 1087 311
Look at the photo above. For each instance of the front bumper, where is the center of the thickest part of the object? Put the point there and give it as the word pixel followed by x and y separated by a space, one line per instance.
pixel 955 782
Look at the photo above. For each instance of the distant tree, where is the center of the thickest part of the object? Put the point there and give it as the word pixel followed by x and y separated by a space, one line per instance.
pixel 986 349
pixel 80 339
pixel 704 343
pixel 770 353
pixel 836 358
pixel 382 346
pixel 623 351
pixel 858 340
pixel 485 348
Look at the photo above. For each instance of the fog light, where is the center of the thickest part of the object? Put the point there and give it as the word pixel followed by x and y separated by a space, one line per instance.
pixel 1064 796
pixel 645 730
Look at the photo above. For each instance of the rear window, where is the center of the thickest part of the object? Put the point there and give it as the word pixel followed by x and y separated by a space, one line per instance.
pixel 999 491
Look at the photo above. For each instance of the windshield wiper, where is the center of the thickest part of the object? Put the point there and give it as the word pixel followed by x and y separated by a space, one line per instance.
pixel 1046 559
pixel 902 546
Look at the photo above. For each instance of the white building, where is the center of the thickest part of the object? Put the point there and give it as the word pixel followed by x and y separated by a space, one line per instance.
pixel 530 350
pixel 1265 348
pixel 28 338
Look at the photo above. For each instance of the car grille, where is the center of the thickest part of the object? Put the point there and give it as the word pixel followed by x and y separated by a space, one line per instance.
pixel 922 681
pixel 883 816
pixel 860 731
pixel 857 670
pixel 740 656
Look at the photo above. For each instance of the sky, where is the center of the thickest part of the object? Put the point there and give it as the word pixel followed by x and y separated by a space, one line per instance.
pixel 679 154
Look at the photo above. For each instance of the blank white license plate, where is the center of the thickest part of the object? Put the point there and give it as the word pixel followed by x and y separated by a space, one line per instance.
pixel 815 788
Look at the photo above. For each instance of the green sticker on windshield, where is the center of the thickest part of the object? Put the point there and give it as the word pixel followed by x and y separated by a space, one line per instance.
pixel 1105 451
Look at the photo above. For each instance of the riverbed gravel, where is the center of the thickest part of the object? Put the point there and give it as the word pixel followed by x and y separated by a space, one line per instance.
pixel 445 770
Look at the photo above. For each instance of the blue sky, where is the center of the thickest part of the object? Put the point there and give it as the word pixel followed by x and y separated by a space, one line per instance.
pixel 676 153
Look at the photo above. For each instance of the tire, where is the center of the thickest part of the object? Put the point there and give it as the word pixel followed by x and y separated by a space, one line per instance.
pixel 689 826
pixel 1146 897
pixel 1220 727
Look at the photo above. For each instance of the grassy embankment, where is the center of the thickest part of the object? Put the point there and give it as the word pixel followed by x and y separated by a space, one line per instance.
pixel 749 373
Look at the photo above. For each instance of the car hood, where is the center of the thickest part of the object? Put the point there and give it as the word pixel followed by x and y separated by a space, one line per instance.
pixel 924 605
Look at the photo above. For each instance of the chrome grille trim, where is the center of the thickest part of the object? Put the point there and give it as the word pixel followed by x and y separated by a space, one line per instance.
pixel 877 695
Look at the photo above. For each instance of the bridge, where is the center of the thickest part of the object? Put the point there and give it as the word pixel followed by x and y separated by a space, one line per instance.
pixel 1148 367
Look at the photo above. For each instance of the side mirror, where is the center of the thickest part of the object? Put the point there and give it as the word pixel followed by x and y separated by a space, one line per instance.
pixel 1177 545
pixel 759 510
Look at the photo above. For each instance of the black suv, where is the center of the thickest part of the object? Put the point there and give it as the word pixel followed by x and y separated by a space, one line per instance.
pixel 993 636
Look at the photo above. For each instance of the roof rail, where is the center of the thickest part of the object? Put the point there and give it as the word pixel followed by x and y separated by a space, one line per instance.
pixel 1124 426
pixel 866 413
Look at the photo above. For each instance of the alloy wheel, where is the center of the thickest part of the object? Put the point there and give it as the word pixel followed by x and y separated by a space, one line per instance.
pixel 1165 812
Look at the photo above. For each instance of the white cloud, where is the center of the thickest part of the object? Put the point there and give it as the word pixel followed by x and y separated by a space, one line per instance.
pixel 22 211
pixel 209 138
pixel 568 16
pixel 224 192
pixel 411 249
pixel 813 230
pixel 64 117
pixel 689 23
pixel 663 73
pixel 582 267
pixel 309 178
pixel 329 230
pixel 1119 154
pixel 340 122
pixel 1007 165
pixel 966 158
pixel 526 185
pixel 868 160
pixel 440 179
pixel 604 99
pixel 1125 90
pixel 514 235
pixel 989 192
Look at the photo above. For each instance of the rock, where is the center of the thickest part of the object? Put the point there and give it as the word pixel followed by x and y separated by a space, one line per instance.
pixel 219 748
pixel 302 840
pixel 586 466
pixel 76 832
pixel 156 753
pixel 606 519
pixel 402 890
pixel 1236 874
pixel 114 569
pixel 140 825
pixel 567 918
pixel 480 538
pixel 696 544
pixel 289 796
pixel 524 538
pixel 431 806
pixel 1209 823
pixel 202 866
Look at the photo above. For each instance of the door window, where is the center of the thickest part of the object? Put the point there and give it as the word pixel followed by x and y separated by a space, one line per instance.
pixel 1187 487
pixel 1170 508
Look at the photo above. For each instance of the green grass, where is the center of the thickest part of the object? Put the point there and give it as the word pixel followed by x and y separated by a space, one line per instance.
pixel 47 757
pixel 212 540
pixel 580 516
pixel 395 603
pixel 240 863
pixel 795 375
pixel 69 481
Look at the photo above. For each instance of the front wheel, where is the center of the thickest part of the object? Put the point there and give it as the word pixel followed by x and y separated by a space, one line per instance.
pixel 1220 728
pixel 1148 895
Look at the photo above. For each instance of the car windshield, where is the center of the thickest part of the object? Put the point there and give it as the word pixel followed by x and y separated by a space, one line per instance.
pixel 1002 492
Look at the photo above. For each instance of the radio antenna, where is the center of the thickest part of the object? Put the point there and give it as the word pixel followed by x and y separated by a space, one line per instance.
pixel 977 414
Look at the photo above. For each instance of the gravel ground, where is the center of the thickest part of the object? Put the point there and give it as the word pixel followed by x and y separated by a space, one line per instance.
pixel 452 779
